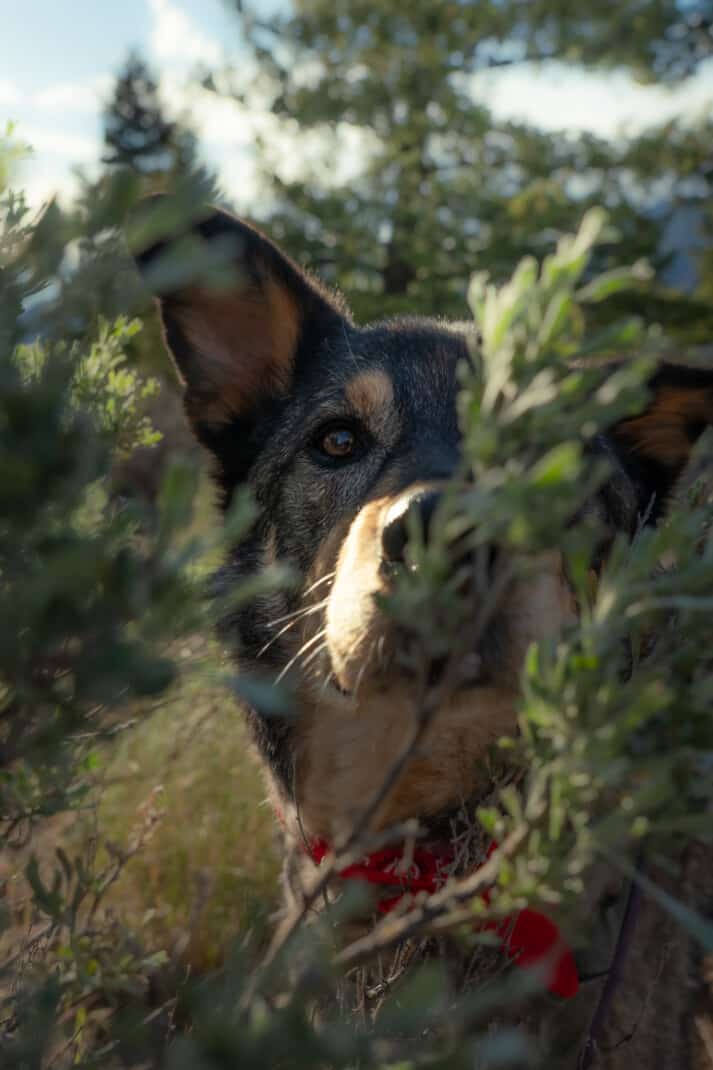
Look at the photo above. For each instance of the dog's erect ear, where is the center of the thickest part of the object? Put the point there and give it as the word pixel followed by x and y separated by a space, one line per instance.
pixel 655 446
pixel 235 319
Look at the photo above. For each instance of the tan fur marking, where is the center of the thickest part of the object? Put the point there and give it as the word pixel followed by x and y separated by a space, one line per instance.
pixel 370 392
pixel 353 620
pixel 662 431
pixel 345 752
pixel 244 341
pixel 346 747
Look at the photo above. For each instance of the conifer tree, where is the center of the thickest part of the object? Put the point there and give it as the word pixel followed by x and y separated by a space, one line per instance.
pixel 137 132
pixel 435 186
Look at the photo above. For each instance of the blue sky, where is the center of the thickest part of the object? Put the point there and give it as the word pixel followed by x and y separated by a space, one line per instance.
pixel 58 57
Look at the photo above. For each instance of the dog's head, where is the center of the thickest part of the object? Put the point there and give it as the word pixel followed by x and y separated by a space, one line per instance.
pixel 347 436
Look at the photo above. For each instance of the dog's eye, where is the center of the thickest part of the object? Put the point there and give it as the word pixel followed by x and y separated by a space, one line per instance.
pixel 337 442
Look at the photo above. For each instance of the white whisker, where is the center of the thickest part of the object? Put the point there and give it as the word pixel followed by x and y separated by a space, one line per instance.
pixel 362 670
pixel 268 644
pixel 299 612
pixel 297 618
pixel 318 583
pixel 313 655
pixel 328 676
pixel 305 646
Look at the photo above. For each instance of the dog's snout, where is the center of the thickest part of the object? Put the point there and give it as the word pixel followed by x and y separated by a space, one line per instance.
pixel 397 525
pixel 422 507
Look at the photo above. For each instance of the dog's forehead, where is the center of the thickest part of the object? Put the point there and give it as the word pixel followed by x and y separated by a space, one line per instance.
pixel 410 365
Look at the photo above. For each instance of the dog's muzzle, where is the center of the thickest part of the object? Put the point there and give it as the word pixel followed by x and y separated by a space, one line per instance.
pixel 399 521
pixel 418 510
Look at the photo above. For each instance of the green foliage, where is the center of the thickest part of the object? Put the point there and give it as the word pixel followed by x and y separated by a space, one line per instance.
pixel 99 597
pixel 616 728
pixel 434 186
pixel 662 41
pixel 137 134
pixel 616 719
pixel 95 593
pixel 102 384
pixel 75 582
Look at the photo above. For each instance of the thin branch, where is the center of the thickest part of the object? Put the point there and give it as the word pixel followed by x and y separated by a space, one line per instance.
pixel 353 846
pixel 435 908
pixel 592 1041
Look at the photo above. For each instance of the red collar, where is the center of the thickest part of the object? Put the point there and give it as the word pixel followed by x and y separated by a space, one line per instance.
pixel 529 938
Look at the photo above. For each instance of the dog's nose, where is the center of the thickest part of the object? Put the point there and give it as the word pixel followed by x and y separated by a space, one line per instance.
pixel 395 533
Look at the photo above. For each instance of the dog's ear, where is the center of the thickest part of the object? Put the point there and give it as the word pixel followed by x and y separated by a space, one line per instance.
pixel 654 446
pixel 236 317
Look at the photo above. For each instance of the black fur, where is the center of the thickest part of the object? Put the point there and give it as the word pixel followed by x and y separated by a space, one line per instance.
pixel 306 502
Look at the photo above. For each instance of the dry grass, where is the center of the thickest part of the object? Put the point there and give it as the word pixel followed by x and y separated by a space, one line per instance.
pixel 210 870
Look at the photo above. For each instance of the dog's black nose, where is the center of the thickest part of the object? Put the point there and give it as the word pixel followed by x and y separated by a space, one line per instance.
pixel 395 533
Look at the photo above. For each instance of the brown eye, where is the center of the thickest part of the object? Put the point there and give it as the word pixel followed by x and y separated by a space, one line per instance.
pixel 338 442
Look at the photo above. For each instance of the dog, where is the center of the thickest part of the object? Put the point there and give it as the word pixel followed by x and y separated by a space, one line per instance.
pixel 346 436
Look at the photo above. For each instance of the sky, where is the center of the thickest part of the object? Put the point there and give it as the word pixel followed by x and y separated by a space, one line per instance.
pixel 58 57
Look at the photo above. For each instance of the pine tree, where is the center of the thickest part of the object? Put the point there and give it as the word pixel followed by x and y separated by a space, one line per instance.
pixel 440 188
pixel 137 133
pixel 660 40
pixel 144 151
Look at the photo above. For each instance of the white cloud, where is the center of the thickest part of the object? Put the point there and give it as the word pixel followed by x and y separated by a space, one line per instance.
pixel 559 98
pixel 175 37
pixel 219 120
pixel 240 181
pixel 225 130
pixel 52 141
pixel 554 97
pixel 76 97
pixel 228 132
pixel 9 94
pixel 41 187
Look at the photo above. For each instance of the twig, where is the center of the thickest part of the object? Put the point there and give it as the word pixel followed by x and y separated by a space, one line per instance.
pixel 592 1040
pixel 436 907
pixel 349 849
pixel 289 926
pixel 31 942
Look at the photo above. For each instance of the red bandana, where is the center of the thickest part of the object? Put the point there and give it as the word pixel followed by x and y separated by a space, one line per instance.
pixel 530 939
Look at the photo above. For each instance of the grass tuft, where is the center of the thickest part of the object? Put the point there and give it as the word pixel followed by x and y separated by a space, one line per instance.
pixel 210 872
